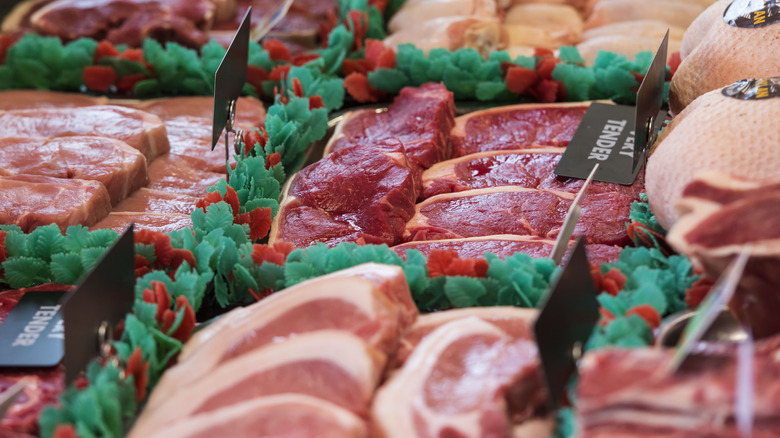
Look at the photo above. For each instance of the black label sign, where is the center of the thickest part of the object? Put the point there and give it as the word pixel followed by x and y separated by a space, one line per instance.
pixel 569 314
pixel 33 333
pixel 751 14
pixel 230 78
pixel 605 136
pixel 753 89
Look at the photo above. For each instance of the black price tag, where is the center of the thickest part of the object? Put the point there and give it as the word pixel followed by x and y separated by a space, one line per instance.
pixel 604 137
pixel 32 334
pixel 649 100
pixel 569 314
pixel 230 78
pixel 104 296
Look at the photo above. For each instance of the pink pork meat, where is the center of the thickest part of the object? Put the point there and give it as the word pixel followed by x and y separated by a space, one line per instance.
pixel 32 99
pixel 520 211
pixel 421 118
pixel 157 201
pixel 140 130
pixel 175 175
pixel 349 195
pixel 162 222
pixel 279 416
pixel 516 127
pixel 30 201
pixel 370 300
pixel 456 383
pixel 120 168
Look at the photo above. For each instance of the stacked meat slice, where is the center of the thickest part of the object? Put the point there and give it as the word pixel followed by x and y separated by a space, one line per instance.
pixel 337 331
pixel 501 195
pixel 67 159
pixel 629 392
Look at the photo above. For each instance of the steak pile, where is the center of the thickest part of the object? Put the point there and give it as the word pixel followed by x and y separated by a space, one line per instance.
pixel 72 160
pixel 498 195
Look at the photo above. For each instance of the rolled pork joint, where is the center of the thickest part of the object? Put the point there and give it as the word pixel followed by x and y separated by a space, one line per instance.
pixel 486 35
pixel 724 54
pixel 627 392
pixel 560 24
pixel 625 45
pixel 720 214
pixel 415 12
pixel 716 132
pixel 639 28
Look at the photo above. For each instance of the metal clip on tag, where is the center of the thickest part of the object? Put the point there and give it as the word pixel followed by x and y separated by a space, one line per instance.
pixel 105 335
pixel 10 395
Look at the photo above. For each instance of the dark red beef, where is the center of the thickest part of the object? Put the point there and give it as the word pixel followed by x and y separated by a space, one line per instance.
pixel 531 169
pixel 46 385
pixel 421 118
pixel 516 127
pixel 356 192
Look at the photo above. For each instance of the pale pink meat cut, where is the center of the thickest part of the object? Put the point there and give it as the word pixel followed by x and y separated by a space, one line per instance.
pixel 629 392
pixel 332 365
pixel 40 99
pixel 420 118
pixel 516 127
pixel 720 213
pixel 351 194
pixel 162 222
pixel 515 322
pixel 456 383
pixel 371 301
pixel 157 201
pixel 172 174
pixel 190 139
pixel 278 416
pixel 30 201
pixel 120 168
pixel 141 130
pixel 520 211
pixel 249 110
pixel 529 168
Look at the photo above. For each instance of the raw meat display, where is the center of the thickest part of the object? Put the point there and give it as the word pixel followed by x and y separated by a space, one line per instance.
pixel 373 302
pixel 522 126
pixel 190 139
pixel 720 214
pixel 283 416
pixel 513 321
pixel 338 330
pixel 715 132
pixel 529 168
pixel 638 28
pixel 158 201
pixel 32 99
pixel 628 392
pixel 128 22
pixel 329 201
pixel 505 245
pixel 415 13
pixel 461 379
pixel 673 12
pixel 142 131
pixel 723 54
pixel 543 25
pixel 46 382
pixel 120 168
pixel 421 118
pixel 590 48
pixel 162 222
pixel 516 210
pixel 30 201
pixel 482 34
pixel 339 367
pixel 174 175
pixel 249 110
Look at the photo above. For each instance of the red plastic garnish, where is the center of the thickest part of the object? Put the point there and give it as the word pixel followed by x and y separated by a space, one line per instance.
pixel 6 41
pixel 447 262
pixel 304 58
pixel 127 83
pixel 253 137
pixel 65 431
pixel 136 55
pixel 545 67
pixel 519 79
pixel 360 89
pixel 297 87
pixel 259 221
pixel 272 160
pixel 276 253
pixel 230 197
pixel 166 256
pixel 104 49
pixel 378 55
pixel 3 252
pixel 139 369
pixel 316 102
pixel 613 281
pixel 606 316
pixel 695 294
pixel 646 312
pixel 165 316
pixel 545 91
pixel 540 51
pixel 277 51
pixel 674 62
pixel 99 77
pixel 279 72
pixel 255 77
pixel 357 21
